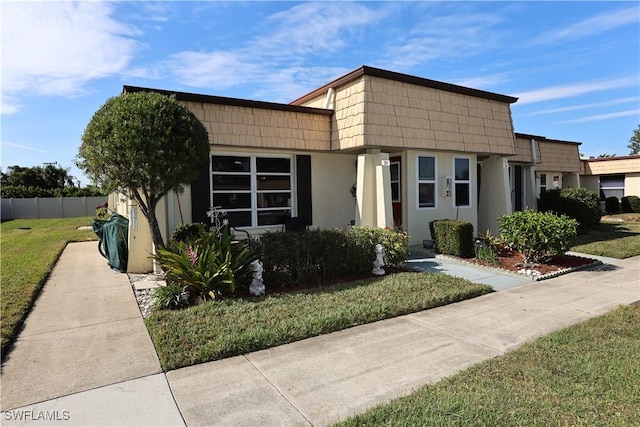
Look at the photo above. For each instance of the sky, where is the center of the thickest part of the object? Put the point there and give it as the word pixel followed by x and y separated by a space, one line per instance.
pixel 575 66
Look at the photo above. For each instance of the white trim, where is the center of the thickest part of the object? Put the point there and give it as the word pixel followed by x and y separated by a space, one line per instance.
pixel 462 181
pixel 253 191
pixel 434 182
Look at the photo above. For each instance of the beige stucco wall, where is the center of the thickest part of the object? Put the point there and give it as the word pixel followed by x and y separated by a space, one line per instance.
pixel 257 127
pixel 417 220
pixel 403 115
pixel 632 184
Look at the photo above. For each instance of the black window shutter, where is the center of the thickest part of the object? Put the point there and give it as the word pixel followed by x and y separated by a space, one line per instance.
pixel 303 184
pixel 201 196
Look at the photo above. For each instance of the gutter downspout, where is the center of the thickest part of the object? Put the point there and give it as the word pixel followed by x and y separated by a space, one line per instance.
pixel 327 100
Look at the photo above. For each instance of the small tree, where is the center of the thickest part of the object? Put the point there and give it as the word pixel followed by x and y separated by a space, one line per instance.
pixel 634 141
pixel 146 143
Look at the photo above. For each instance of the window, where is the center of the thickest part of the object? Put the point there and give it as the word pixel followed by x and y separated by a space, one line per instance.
pixel 543 183
pixel 255 191
pixel 462 182
pixel 611 186
pixel 426 182
pixel 395 182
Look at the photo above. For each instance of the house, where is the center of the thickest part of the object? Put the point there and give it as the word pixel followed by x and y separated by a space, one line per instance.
pixel 612 176
pixel 373 147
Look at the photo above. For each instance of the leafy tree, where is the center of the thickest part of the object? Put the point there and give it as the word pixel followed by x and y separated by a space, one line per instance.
pixel 601 156
pixel 634 141
pixel 146 143
pixel 37 181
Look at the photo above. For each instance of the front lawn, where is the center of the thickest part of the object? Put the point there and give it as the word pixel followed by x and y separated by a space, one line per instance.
pixel 615 239
pixel 587 374
pixel 216 330
pixel 29 248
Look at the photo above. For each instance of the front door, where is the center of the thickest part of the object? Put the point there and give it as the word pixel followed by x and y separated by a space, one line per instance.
pixel 396 190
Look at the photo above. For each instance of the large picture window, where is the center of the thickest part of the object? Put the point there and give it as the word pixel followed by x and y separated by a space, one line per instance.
pixel 255 191
pixel 426 182
pixel 462 182
pixel 611 186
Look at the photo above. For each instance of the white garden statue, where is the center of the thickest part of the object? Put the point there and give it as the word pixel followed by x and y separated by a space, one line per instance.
pixel 379 262
pixel 257 286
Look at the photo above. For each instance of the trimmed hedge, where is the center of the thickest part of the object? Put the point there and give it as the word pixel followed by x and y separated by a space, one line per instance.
pixel 631 204
pixel 581 204
pixel 453 237
pixel 317 256
pixel 612 205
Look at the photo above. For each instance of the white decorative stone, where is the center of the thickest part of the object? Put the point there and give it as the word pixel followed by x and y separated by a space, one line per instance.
pixel 379 262
pixel 257 288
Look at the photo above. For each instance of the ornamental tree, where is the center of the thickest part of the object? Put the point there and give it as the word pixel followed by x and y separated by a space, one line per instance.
pixel 144 143
pixel 634 141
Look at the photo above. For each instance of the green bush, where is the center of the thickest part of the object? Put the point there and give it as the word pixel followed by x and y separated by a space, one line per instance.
pixel 612 205
pixel 318 256
pixel 394 241
pixel 171 297
pixel 310 257
pixel 186 232
pixel 581 204
pixel 631 204
pixel 453 237
pixel 211 265
pixel 538 235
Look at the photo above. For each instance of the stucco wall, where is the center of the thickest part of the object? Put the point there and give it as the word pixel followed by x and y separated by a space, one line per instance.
pixel 417 225
pixel 632 184
pixel 256 127
pixel 403 115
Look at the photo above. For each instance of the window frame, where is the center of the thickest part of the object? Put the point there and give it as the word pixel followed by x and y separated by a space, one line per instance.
pixel 461 181
pixel 254 191
pixel 611 178
pixel 433 181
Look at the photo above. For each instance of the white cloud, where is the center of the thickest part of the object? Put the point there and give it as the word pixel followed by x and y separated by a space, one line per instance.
pixel 607 116
pixel 275 58
pixel 570 90
pixel 586 106
pixel 23 147
pixel 460 34
pixel 57 48
pixel 592 26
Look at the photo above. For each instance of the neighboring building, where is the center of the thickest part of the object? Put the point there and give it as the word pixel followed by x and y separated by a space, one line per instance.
pixel 612 176
pixel 372 147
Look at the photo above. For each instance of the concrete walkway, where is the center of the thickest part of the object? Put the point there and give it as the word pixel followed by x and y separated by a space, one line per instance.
pixel 84 353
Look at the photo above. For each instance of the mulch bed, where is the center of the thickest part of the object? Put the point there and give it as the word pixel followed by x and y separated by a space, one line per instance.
pixel 513 262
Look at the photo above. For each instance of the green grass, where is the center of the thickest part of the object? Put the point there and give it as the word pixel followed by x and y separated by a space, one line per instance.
pixel 227 328
pixel 28 252
pixel 585 375
pixel 611 239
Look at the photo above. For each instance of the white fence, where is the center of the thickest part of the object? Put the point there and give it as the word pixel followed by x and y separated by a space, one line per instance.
pixel 50 207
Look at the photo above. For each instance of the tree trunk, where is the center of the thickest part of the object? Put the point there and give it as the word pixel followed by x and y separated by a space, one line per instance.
pixel 148 207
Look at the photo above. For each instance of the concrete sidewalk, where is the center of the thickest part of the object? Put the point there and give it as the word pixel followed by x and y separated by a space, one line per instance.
pixel 84 350
pixel 85 332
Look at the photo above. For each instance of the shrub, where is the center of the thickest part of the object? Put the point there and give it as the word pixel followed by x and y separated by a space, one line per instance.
pixel 453 237
pixel 172 296
pixel 102 211
pixel 207 266
pixel 581 204
pixel 394 241
pixel 631 204
pixel 538 235
pixel 318 256
pixel 186 232
pixel 311 257
pixel 612 205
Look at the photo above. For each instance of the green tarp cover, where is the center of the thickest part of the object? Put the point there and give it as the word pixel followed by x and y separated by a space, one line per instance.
pixel 113 234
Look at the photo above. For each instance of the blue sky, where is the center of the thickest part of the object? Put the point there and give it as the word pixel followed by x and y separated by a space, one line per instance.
pixel 574 65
